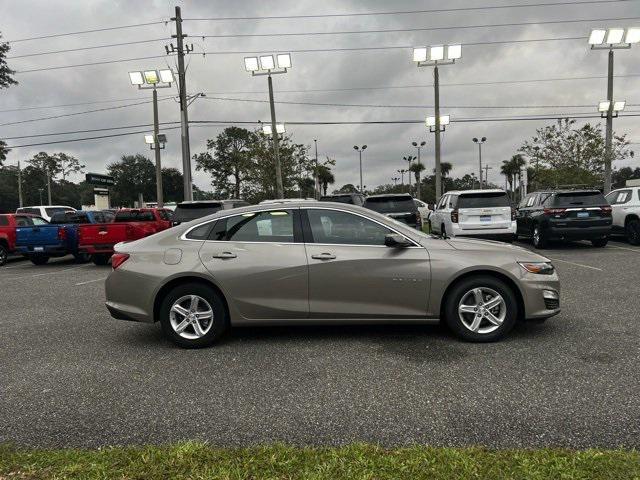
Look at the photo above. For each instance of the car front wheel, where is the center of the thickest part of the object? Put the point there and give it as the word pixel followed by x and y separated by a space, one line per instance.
pixel 481 309
pixel 193 315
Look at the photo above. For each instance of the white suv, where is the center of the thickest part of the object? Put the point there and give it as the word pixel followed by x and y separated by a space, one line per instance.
pixel 625 206
pixel 475 213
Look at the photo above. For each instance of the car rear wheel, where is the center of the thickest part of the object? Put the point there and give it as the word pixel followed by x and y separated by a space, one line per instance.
pixel 4 254
pixel 100 258
pixel 632 229
pixel 481 309
pixel 193 315
pixel 82 257
pixel 39 259
pixel 599 242
pixel 539 238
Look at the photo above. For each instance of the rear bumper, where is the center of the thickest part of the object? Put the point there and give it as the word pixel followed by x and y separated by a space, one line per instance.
pixel 503 232
pixel 95 249
pixel 48 250
pixel 578 233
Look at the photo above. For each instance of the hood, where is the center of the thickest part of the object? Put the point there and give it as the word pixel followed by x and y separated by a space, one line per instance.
pixel 519 253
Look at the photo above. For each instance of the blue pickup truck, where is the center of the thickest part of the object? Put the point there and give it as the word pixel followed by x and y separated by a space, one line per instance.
pixel 57 238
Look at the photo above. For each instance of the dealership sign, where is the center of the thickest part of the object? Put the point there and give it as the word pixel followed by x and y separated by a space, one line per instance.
pixel 98 179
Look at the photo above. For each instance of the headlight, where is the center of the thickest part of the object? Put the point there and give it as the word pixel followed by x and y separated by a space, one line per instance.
pixel 541 268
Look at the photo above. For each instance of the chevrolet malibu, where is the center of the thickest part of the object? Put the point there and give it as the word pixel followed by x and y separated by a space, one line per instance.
pixel 323 263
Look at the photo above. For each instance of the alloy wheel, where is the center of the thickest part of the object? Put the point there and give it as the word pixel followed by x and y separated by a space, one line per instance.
pixel 482 310
pixel 191 317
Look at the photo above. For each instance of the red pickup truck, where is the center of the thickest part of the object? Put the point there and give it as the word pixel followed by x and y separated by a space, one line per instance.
pixel 129 224
pixel 8 224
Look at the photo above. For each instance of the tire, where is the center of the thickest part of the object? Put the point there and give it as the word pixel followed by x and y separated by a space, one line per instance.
pixel 82 257
pixel 39 259
pixel 4 255
pixel 632 231
pixel 599 242
pixel 539 238
pixel 101 258
pixel 462 295
pixel 210 331
pixel 443 230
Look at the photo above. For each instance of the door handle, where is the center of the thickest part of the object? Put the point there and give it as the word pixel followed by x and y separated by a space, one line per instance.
pixel 324 256
pixel 225 255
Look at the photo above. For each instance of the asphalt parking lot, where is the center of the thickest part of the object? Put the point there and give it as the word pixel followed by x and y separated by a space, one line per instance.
pixel 72 376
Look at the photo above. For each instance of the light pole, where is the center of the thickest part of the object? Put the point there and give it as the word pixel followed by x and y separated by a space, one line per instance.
pixel 316 183
pixel 266 65
pixel 360 150
pixel 418 147
pixel 480 142
pixel 401 172
pixel 409 159
pixel 432 57
pixel 395 181
pixel 486 174
pixel 19 185
pixel 152 80
pixel 611 39
pixel 48 172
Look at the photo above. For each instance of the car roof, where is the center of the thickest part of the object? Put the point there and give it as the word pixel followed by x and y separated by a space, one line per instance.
pixel 467 192
pixel 581 190
pixel 205 202
pixel 47 206
pixel 390 195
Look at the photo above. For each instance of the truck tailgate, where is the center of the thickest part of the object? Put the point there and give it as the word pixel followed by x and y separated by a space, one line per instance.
pixel 37 235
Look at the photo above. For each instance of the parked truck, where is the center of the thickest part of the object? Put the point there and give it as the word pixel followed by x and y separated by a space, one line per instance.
pixel 8 225
pixel 58 238
pixel 130 224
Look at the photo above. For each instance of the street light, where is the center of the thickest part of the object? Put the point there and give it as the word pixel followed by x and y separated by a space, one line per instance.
pixel 611 39
pixel 267 129
pixel 360 150
pixel 410 159
pixel 480 142
pixel 433 124
pixel 267 65
pixel 401 172
pixel 151 140
pixel 152 80
pixel 432 57
pixel 605 106
pixel 395 180
pixel 418 147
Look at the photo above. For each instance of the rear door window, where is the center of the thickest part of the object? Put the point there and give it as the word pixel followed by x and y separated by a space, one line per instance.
pixel 271 226
pixel 578 199
pixel 484 200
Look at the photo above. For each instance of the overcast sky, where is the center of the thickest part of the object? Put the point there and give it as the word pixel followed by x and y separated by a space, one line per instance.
pixel 223 75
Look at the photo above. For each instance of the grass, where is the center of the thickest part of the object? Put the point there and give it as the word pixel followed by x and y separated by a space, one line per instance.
pixel 358 461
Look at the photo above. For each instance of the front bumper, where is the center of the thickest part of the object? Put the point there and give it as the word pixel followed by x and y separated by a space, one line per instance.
pixel 534 289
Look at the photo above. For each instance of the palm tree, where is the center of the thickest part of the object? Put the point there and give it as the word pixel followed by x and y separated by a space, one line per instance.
pixel 416 168
pixel 325 177
pixel 445 169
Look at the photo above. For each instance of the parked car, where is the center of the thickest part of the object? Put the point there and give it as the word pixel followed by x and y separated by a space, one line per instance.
pixel 625 205
pixel 187 211
pixel 565 215
pixel 45 211
pixel 58 238
pixel 475 213
pixel 323 263
pixel 423 209
pixel 399 206
pixel 350 198
pixel 8 224
pixel 129 224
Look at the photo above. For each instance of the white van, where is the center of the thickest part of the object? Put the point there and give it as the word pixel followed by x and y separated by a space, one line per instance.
pixel 475 213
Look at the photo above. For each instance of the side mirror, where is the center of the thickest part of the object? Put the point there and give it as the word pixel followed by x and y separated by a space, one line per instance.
pixel 396 241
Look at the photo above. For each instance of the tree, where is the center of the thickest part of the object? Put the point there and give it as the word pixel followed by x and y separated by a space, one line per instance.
pixel 231 157
pixel 68 164
pixel 133 174
pixel 348 188
pixel 6 80
pixel 621 176
pixel 172 185
pixel 417 169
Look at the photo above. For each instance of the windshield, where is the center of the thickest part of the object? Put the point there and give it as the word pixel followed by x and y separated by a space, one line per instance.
pixel 484 200
pixel 53 210
pixel 188 212
pixel 134 216
pixel 390 204
pixel 578 198
pixel 70 217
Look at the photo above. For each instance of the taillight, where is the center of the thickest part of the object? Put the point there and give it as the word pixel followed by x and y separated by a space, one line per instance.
pixel 118 259
pixel 513 214
pixel 606 210
pixel 62 233
pixel 454 216
pixel 554 211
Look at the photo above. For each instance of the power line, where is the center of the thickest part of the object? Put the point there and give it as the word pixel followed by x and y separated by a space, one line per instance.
pixel 63 105
pixel 92 130
pixel 420 29
pixel 409 12
pixel 104 62
pixel 53 117
pixel 80 32
pixel 51 52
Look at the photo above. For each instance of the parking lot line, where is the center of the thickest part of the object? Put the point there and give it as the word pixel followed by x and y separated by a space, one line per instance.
pixel 91 281
pixel 625 248
pixel 48 273
pixel 576 264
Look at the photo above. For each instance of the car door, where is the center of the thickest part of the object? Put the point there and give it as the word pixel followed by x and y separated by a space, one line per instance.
pixel 258 259
pixel 352 274
pixel 436 216
pixel 617 200
pixel 521 214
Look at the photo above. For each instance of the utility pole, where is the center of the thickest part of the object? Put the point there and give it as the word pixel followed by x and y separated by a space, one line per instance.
pixel 436 86
pixel 48 186
pixel 184 117
pixel 316 178
pixel 156 145
pixel 19 185
pixel 274 136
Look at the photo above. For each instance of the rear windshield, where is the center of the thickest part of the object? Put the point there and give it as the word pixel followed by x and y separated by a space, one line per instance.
pixel 578 198
pixel 337 198
pixel 391 204
pixel 484 200
pixel 134 216
pixel 191 211
pixel 69 217
pixel 53 210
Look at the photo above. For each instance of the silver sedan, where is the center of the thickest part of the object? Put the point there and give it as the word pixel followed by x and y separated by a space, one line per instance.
pixel 321 263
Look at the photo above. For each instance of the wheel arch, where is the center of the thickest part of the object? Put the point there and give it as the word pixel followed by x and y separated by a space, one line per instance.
pixel 485 272
pixel 630 217
pixel 174 282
